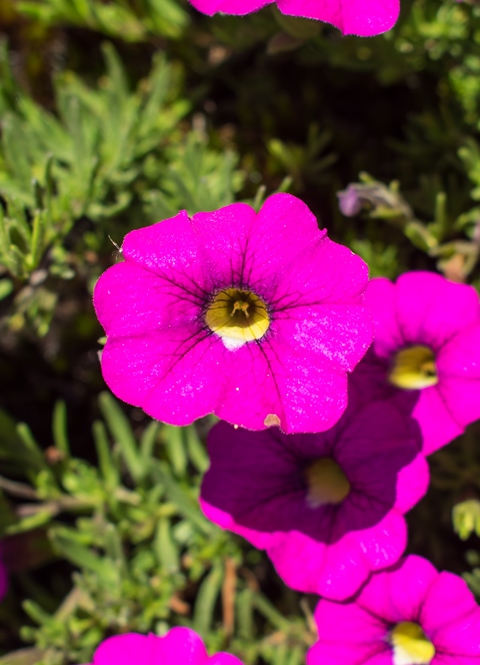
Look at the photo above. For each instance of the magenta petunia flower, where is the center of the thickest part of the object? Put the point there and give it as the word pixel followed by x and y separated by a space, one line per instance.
pixel 355 17
pixel 180 646
pixel 328 508
pixel 255 317
pixel 408 615
pixel 426 353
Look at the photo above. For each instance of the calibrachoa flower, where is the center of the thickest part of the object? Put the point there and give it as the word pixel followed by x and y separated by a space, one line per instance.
pixel 408 615
pixel 355 17
pixel 328 508
pixel 180 646
pixel 3 578
pixel 426 352
pixel 255 317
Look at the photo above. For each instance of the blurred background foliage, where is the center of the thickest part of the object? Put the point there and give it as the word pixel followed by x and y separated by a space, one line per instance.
pixel 115 114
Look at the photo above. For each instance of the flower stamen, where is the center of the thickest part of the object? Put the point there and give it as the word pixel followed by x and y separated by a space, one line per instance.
pixel 414 368
pixel 410 645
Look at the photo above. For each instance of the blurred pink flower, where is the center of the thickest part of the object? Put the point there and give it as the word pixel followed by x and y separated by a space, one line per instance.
pixel 180 646
pixel 425 354
pixel 408 615
pixel 3 579
pixel 356 17
pixel 255 317
pixel 327 508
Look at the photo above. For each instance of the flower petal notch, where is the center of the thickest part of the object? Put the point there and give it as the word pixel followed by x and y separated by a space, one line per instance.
pixel 179 645
pixel 365 18
pixel 241 314
pixel 409 614
pixel 328 508
pixel 426 353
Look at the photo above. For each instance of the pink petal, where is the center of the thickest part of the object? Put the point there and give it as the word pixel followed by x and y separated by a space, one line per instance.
pixel 461 637
pixel 224 520
pixel 412 483
pixel 318 330
pixel 332 618
pixel 180 645
pixel 170 245
pixel 324 273
pixel 224 659
pixel 398 594
pixel 130 300
pixel 338 653
pixel 3 580
pixel 448 659
pixel 271 377
pixel 434 416
pixel 431 309
pixel 125 650
pixel 238 7
pixel 337 570
pixel 250 249
pixel 365 18
pixel 172 375
pixel 451 617
pixel 380 299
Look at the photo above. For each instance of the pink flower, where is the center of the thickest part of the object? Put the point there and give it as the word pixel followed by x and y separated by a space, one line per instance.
pixel 180 646
pixel 408 615
pixel 356 17
pixel 328 508
pixel 255 317
pixel 426 353
pixel 3 580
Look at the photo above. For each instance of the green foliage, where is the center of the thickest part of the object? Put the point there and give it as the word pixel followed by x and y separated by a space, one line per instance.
pixel 99 515
pixel 121 18
pixel 139 544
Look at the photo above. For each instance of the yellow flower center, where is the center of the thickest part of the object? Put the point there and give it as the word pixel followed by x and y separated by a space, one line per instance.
pixel 238 317
pixel 414 368
pixel 326 483
pixel 410 645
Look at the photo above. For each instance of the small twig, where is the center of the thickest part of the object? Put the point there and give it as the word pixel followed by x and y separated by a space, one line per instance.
pixel 18 489
pixel 228 596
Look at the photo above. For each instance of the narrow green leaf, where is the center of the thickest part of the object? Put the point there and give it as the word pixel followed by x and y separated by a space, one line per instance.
pixel 108 466
pixel 59 427
pixel 165 547
pixel 206 599
pixel 122 433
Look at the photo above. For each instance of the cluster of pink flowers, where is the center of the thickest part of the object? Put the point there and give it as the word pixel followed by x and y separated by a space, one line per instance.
pixel 264 321
pixel 354 17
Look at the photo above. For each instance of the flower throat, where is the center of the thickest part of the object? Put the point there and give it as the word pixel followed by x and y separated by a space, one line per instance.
pixel 237 316
pixel 413 368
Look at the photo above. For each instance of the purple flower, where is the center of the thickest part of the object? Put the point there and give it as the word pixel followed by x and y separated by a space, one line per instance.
pixel 426 353
pixel 180 646
pixel 408 615
pixel 355 17
pixel 255 317
pixel 328 508
pixel 3 580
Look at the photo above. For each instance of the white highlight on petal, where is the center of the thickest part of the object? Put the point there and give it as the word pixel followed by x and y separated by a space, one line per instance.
pixel 233 344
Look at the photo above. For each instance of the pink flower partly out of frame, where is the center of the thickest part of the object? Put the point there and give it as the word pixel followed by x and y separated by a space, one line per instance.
pixel 408 615
pixel 3 578
pixel 353 17
pixel 328 508
pixel 180 646
pixel 254 317
pixel 437 322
